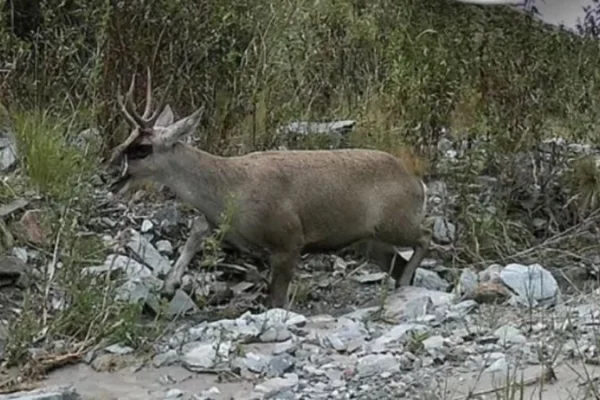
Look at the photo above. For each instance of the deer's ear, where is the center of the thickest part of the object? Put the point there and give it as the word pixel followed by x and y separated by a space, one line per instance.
pixel 166 117
pixel 183 127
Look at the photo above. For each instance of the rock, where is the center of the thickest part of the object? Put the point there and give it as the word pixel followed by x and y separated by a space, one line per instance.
pixel 468 281
pixel 140 289
pixel 508 334
pixel 418 307
pixel 147 226
pixel 173 394
pixel 164 246
pixel 275 333
pixel 55 393
pixel 148 253
pixel 8 145
pixel 165 359
pixel 272 387
pixel 491 273
pixel 203 356
pixel 430 280
pixel 118 262
pixel 13 271
pixel 209 394
pixel 118 349
pixel 490 292
pixel 435 347
pixel 181 304
pixel 167 218
pixel 444 232
pixel 276 316
pixel 279 365
pixel 457 312
pixel 256 362
pixel 87 138
pixel 31 226
pixel 532 284
pixel 20 253
pixel 375 364
pixel 500 367
pixel 370 278
pixel 15 205
pixel 399 333
pixel 304 128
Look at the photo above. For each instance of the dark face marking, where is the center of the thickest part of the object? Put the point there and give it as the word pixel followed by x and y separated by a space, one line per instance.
pixel 138 151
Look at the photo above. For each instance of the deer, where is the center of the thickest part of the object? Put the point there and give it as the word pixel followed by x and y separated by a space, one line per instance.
pixel 287 202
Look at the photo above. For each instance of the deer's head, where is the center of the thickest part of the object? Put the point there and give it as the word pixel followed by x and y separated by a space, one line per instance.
pixel 152 140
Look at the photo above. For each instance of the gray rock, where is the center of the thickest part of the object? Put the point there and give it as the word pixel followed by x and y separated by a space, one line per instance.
pixel 199 357
pixel 256 362
pixel 399 333
pixel 500 367
pixel 148 253
pixel 118 349
pixel 167 218
pixel 533 284
pixel 468 281
pixel 418 307
pixel 307 128
pixel 209 394
pixel 508 334
pixel 430 280
pixel 370 278
pixel 137 290
pixel 118 262
pixel 491 273
pixel 56 393
pixel 164 246
pixel 181 304
pixel 275 386
pixel 376 364
pixel 444 232
pixel 8 145
pixel 275 333
pixel 173 394
pixel 435 347
pixel 165 359
pixel 147 226
pixel 280 365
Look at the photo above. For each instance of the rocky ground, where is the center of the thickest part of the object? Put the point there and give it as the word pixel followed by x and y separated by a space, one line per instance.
pixel 485 331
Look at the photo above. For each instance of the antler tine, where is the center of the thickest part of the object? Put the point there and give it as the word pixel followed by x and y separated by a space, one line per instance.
pixel 147 109
pixel 124 109
pixel 162 104
pixel 130 107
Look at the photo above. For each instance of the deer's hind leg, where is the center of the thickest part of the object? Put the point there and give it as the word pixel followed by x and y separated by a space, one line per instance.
pixel 382 252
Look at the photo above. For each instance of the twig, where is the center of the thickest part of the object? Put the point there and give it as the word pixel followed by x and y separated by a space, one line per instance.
pixel 51 268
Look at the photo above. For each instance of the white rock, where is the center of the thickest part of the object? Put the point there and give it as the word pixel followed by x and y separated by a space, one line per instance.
pixel 148 253
pixel 147 226
pixel 532 283
pixel 276 385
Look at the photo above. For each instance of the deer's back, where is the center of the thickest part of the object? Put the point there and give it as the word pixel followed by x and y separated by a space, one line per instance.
pixel 337 195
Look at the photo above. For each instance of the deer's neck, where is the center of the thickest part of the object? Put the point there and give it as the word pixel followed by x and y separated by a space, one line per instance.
pixel 201 179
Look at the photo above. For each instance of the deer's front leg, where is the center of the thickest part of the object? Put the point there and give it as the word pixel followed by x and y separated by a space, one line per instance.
pixel 192 246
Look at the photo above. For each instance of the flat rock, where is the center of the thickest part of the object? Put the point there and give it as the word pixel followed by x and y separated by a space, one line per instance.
pixel 148 253
pixel 430 280
pixel 58 393
pixel 533 283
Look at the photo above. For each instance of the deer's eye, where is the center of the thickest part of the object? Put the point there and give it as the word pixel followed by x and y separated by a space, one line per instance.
pixel 138 151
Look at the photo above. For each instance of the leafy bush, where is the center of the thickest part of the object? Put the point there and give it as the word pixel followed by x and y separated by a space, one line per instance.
pixel 402 68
